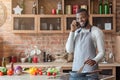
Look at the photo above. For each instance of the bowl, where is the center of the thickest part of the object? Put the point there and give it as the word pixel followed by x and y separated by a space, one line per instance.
pixel 76 74
pixel 23 60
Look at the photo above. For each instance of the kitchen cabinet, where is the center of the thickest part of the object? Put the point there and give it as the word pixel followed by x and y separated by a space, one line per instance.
pixel 24 24
pixel 48 24
pixel 47 14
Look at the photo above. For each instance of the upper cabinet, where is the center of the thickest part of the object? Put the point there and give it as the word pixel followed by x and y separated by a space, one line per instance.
pixel 55 16
pixel 103 14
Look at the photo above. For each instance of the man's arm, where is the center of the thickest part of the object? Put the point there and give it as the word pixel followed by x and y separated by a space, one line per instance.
pixel 70 43
pixel 100 46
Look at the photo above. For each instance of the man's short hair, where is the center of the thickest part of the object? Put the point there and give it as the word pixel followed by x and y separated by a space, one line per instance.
pixel 82 10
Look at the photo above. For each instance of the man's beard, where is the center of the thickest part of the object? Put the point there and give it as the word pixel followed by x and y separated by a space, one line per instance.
pixel 85 25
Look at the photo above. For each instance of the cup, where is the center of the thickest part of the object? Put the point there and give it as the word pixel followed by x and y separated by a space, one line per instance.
pixel 23 60
pixel 53 11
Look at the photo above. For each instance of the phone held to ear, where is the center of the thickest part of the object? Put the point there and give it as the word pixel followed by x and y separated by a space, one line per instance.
pixel 77 24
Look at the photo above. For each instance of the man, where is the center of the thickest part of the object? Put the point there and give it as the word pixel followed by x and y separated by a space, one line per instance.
pixel 86 42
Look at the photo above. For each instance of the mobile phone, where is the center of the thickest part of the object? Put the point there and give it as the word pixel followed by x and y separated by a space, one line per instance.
pixel 77 24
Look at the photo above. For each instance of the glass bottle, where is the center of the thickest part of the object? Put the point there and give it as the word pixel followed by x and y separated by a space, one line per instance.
pixel 106 7
pixel 58 24
pixel 110 7
pixel 3 62
pixel 41 10
pixel 34 8
pixel 59 6
pixel 100 7
pixel 51 27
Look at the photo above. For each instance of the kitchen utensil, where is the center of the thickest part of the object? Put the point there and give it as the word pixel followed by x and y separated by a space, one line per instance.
pixel 80 70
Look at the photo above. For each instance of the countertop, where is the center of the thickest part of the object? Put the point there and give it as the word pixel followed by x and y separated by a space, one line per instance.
pixel 63 65
pixel 43 77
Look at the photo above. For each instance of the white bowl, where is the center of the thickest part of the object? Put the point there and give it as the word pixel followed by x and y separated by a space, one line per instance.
pixel 23 60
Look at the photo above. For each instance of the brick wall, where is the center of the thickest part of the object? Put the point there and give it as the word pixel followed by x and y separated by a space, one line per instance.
pixel 12 44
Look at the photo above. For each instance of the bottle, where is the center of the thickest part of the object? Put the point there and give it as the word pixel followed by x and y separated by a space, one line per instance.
pixel 44 57
pixel 58 24
pixel 59 6
pixel 12 66
pixel 51 27
pixel 100 7
pixel 34 9
pixel 3 62
pixel 106 7
pixel 35 58
pixel 41 10
pixel 110 7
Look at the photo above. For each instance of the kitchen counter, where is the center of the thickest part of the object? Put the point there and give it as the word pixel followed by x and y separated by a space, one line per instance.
pixel 26 76
pixel 67 66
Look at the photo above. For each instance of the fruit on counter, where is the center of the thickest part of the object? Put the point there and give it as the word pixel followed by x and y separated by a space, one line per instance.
pixel 51 70
pixel 33 70
pixel 48 73
pixel 18 70
pixel 18 67
pixel 40 72
pixel 3 70
pixel 10 72
pixel 54 74
pixel 1 74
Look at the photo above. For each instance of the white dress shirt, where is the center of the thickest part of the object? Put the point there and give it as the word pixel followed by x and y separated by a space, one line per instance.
pixel 97 37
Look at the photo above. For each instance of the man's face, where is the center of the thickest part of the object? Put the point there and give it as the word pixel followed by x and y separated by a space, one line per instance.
pixel 82 18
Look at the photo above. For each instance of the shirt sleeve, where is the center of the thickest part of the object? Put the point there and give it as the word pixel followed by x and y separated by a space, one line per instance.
pixel 99 38
pixel 70 43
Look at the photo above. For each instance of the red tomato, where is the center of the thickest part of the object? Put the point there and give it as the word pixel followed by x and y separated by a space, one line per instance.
pixel 10 72
pixel 40 72
pixel 54 74
pixel 48 73
pixel 1 74
pixel 40 69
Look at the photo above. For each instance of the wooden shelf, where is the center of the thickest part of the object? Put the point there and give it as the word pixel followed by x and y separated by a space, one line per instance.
pixel 65 19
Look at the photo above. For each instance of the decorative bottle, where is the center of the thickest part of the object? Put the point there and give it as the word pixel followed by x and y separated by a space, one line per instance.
pixel 110 7
pixel 34 8
pixel 106 7
pixel 100 7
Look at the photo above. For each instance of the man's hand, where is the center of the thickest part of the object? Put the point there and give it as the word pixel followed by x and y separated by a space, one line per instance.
pixel 90 62
pixel 73 26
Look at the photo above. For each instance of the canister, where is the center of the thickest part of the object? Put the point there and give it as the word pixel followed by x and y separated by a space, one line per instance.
pixel 75 9
pixel 68 9
pixel 84 6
